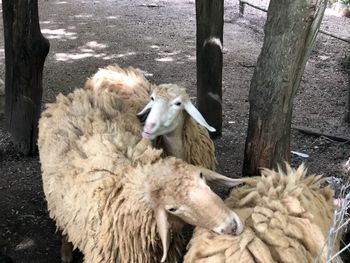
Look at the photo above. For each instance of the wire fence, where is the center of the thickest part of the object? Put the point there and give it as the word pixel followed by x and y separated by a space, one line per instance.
pixel 341 217
pixel 242 5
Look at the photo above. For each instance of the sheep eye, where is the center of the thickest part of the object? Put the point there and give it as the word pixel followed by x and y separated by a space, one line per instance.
pixel 152 98
pixel 201 175
pixel 178 103
pixel 173 209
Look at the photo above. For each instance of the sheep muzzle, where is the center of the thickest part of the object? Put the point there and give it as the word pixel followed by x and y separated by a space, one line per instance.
pixel 232 225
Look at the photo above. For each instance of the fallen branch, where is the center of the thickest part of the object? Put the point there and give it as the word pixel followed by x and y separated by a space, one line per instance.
pixel 317 132
pixel 246 66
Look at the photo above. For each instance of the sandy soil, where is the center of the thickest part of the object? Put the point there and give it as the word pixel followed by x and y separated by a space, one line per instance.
pixel 160 39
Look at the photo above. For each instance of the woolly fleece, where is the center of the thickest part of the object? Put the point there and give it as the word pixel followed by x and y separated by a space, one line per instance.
pixel 131 85
pixel 287 218
pixel 89 147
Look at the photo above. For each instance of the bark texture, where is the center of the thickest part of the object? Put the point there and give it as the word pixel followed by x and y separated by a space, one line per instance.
pixel 290 31
pixel 347 111
pixel 210 22
pixel 25 53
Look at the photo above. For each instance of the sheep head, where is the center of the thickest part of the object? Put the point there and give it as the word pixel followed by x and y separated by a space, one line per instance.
pixel 177 193
pixel 164 112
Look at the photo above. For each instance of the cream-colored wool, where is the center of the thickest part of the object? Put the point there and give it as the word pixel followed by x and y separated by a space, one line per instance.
pixel 198 147
pixel 104 184
pixel 85 152
pixel 287 218
pixel 130 84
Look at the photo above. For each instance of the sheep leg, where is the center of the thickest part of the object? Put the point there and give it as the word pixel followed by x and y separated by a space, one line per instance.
pixel 66 250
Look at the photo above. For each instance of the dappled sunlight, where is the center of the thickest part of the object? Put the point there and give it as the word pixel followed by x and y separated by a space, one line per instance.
pixel 96 45
pixel 168 53
pixel 155 47
pixel 125 54
pixel 91 49
pixel 167 56
pixel 176 56
pixel 45 22
pixel 112 17
pixel 58 33
pixel 74 56
pixel 86 51
pixel 191 58
pixel 165 59
pixel 83 16
pixel 146 73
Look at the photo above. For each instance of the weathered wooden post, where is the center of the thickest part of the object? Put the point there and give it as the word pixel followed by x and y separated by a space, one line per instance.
pixel 210 23
pixel 25 53
pixel 290 32
pixel 241 8
pixel 347 111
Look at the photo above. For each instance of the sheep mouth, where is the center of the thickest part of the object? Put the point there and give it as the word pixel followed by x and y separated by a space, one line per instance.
pixel 148 135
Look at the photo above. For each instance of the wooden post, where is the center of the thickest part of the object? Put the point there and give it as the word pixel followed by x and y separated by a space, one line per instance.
pixel 347 110
pixel 290 32
pixel 25 53
pixel 241 8
pixel 210 23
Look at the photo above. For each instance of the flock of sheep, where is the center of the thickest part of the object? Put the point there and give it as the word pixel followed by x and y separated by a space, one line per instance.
pixel 125 164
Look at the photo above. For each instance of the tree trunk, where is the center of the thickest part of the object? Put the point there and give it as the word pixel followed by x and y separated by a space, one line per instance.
pixel 25 53
pixel 347 111
pixel 210 23
pixel 290 31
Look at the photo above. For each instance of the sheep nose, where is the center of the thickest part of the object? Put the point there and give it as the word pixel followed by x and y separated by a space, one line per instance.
pixel 234 228
pixel 150 126
pixel 233 225
pixel 237 225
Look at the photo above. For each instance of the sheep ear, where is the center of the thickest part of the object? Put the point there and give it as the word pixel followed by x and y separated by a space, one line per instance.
pixel 197 116
pixel 143 114
pixel 219 179
pixel 163 230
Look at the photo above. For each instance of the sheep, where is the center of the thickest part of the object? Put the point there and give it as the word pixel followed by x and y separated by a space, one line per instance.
pixel 286 216
pixel 111 193
pixel 179 125
pixel 172 121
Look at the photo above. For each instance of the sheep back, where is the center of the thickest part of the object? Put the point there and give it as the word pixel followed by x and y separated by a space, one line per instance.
pixel 287 218
pixel 128 83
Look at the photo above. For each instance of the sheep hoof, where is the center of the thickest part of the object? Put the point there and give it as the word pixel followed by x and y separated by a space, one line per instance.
pixel 66 251
pixel 66 259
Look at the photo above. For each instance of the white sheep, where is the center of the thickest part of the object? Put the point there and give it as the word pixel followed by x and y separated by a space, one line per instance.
pixel 180 127
pixel 111 192
pixel 286 216
pixel 172 121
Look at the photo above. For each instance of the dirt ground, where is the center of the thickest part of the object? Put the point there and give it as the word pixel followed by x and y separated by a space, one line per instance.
pixel 159 37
